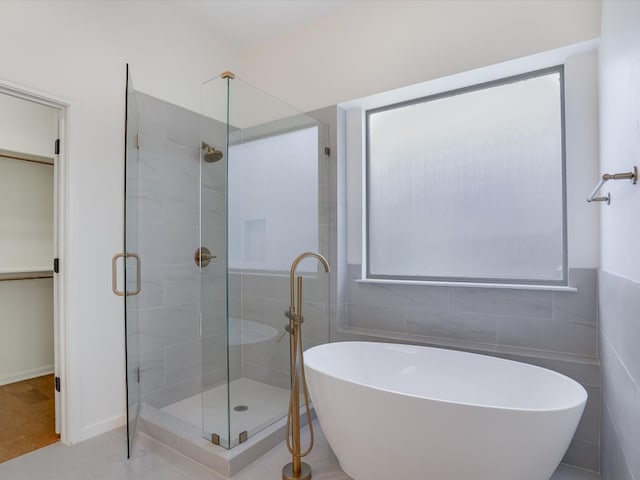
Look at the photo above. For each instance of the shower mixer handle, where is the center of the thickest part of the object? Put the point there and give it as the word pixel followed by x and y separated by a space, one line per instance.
pixel 203 257
pixel 287 329
pixel 295 317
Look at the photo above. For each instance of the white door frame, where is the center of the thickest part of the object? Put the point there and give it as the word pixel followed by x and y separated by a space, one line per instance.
pixel 60 280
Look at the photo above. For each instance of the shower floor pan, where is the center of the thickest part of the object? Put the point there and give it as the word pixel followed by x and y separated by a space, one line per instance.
pixel 179 425
pixel 253 406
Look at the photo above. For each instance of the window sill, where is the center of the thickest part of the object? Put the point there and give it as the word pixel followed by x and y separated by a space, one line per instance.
pixel 509 286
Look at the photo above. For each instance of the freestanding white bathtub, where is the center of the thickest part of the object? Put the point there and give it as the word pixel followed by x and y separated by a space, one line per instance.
pixel 392 411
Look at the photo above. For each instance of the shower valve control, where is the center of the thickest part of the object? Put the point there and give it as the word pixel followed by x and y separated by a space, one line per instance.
pixel 296 317
pixel 203 257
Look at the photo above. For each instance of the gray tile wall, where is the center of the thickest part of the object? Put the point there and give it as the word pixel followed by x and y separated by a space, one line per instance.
pixel 264 298
pixel 620 357
pixel 173 363
pixel 556 330
pixel 336 165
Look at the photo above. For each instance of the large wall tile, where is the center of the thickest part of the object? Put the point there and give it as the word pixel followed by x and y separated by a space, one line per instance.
pixel 525 303
pixel 153 115
pixel 183 126
pixel 619 337
pixel 583 454
pixel 162 327
pixel 455 325
pixel 152 370
pixel 584 370
pixel 152 291
pixel 619 319
pixel 622 396
pixel 173 393
pixel 588 427
pixel 614 464
pixel 182 285
pixel 376 318
pixel 183 362
pixel 580 306
pixel 576 338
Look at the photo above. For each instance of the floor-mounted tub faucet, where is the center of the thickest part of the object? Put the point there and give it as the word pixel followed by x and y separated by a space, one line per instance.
pixel 298 470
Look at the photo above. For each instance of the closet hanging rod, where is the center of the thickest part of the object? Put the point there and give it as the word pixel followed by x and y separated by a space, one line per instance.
pixel 26 157
pixel 633 176
pixel 6 277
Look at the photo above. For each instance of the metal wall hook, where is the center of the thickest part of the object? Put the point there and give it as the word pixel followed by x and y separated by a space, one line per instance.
pixel 633 176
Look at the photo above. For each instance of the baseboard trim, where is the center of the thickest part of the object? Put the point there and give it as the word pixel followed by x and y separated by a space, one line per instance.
pixel 103 426
pixel 26 375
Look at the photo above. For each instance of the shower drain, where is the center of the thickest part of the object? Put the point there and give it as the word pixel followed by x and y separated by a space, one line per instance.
pixel 240 408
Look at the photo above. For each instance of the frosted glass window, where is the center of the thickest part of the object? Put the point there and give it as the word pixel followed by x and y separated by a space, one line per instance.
pixel 273 207
pixel 469 185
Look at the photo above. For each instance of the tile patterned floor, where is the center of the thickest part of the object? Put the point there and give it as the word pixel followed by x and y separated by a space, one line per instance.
pixel 27 416
pixel 103 458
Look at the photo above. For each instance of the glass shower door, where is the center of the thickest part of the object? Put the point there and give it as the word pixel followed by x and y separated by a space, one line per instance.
pixel 214 280
pixel 131 263
pixel 276 174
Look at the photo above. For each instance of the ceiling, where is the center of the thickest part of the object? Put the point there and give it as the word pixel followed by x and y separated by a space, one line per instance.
pixel 248 23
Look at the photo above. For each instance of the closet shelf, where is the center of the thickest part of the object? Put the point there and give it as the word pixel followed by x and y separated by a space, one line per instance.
pixel 9 276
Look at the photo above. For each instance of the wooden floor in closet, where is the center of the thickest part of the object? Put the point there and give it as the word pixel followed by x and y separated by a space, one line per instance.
pixel 27 416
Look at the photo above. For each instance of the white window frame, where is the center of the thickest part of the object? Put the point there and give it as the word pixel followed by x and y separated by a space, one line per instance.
pixel 563 282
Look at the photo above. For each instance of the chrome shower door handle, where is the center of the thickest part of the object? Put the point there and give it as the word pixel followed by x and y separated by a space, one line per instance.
pixel 114 275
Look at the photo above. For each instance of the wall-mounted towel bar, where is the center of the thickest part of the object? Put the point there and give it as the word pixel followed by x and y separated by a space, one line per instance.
pixel 633 176
pixel 5 277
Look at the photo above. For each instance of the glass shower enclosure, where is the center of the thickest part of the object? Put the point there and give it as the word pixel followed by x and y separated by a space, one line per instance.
pixel 218 205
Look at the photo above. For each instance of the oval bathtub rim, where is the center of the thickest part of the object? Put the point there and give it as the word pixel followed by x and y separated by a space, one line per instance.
pixel 583 392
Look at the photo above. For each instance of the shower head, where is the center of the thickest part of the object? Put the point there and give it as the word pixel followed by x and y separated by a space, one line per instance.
pixel 210 154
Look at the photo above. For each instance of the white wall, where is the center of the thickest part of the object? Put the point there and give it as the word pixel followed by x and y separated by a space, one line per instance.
pixel 581 130
pixel 26 323
pixel 77 51
pixel 374 46
pixel 620 137
pixel 27 127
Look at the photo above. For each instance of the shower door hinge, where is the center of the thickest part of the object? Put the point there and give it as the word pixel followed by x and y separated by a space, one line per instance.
pixel 138 140
pixel 57 382
pixel 327 151
pixel 138 374
pixel 56 265
pixel 56 147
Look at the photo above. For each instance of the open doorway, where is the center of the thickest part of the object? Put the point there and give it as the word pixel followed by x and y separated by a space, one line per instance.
pixel 29 280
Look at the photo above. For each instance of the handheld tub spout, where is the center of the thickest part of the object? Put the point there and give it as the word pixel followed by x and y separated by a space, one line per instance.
pixel 297 470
